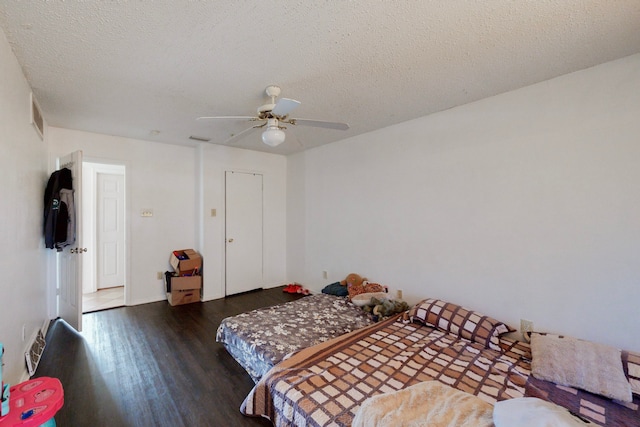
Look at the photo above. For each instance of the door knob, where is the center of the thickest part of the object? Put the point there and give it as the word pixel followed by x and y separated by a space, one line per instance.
pixel 230 240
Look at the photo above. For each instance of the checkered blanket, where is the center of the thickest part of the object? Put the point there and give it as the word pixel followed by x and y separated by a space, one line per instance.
pixel 326 384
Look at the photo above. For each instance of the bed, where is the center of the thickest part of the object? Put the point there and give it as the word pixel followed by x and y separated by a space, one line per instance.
pixel 328 383
pixel 261 338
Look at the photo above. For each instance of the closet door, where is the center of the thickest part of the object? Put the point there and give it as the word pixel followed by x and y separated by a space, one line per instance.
pixel 243 232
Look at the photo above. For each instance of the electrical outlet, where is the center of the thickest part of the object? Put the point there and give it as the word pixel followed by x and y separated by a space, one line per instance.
pixel 526 326
pixel 159 276
pixel 325 274
pixel 399 293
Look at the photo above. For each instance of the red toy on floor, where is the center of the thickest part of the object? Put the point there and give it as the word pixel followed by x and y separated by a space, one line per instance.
pixel 34 403
pixel 295 288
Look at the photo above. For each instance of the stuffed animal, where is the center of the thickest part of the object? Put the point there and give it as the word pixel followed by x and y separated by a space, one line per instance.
pixel 341 288
pixel 374 300
pixel 386 307
pixel 352 279
pixel 366 288
pixel 364 300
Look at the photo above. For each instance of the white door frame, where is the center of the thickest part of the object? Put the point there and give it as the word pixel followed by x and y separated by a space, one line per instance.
pixel 97 165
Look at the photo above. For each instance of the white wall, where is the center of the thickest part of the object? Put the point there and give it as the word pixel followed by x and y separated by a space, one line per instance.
pixel 216 160
pixel 523 205
pixel 23 163
pixel 182 184
pixel 158 176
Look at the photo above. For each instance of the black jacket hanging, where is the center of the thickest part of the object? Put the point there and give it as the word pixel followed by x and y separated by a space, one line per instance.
pixel 56 212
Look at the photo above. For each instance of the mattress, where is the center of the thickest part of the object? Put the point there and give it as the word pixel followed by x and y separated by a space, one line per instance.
pixel 261 338
pixel 325 385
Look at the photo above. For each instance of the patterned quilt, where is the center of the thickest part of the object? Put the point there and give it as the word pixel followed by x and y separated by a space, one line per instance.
pixel 261 338
pixel 325 385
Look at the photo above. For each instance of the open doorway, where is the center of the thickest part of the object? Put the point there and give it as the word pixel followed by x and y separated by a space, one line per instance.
pixel 103 208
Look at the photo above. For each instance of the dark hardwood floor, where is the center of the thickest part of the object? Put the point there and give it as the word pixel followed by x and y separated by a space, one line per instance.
pixel 152 365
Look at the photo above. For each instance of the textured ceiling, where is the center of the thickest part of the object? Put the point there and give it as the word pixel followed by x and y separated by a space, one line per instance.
pixel 146 70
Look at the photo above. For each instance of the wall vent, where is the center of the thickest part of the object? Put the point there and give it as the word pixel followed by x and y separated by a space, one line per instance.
pixel 199 138
pixel 36 116
pixel 35 353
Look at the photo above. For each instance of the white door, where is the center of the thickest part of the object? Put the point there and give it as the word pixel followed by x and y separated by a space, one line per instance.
pixel 70 259
pixel 110 230
pixel 243 229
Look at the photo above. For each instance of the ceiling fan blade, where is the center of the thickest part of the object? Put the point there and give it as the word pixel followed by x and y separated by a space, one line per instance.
pixel 319 124
pixel 249 118
pixel 242 134
pixel 284 106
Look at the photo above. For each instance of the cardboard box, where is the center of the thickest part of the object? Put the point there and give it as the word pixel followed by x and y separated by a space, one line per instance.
pixel 183 297
pixel 176 283
pixel 185 261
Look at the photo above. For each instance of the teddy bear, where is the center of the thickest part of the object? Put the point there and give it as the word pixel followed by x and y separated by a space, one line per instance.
pixel 352 279
pixel 342 287
pixel 357 285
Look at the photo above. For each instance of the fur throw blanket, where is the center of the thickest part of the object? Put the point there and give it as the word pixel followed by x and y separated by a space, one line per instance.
pixel 429 403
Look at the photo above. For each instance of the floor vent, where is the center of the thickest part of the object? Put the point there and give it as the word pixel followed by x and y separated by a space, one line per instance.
pixel 35 353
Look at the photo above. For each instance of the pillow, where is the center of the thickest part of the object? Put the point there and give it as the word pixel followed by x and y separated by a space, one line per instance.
pixel 460 321
pixel 364 299
pixel 365 287
pixel 532 412
pixel 633 367
pixel 335 289
pixel 590 366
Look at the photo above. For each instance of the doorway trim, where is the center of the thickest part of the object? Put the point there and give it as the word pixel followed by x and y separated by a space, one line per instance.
pixel 100 165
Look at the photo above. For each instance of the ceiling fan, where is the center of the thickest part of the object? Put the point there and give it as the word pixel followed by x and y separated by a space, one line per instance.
pixel 273 116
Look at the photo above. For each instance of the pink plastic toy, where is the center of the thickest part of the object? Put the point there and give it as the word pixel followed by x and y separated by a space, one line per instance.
pixel 33 403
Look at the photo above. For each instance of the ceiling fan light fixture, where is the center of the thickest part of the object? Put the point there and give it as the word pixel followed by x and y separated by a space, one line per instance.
pixel 275 112
pixel 273 136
